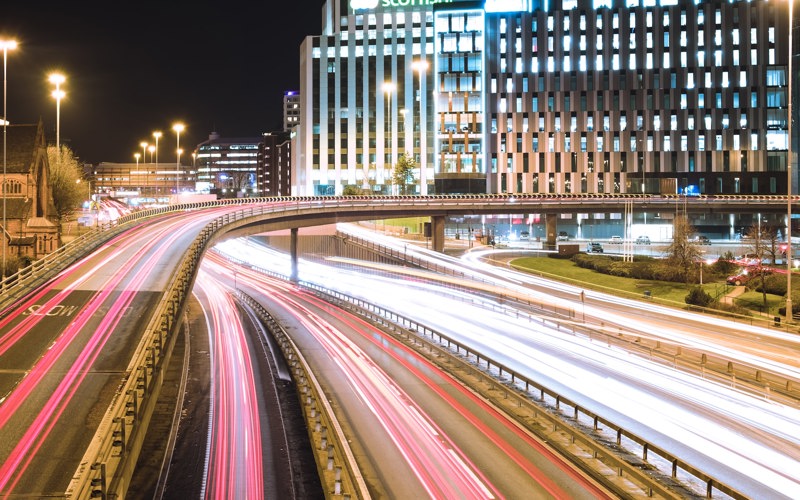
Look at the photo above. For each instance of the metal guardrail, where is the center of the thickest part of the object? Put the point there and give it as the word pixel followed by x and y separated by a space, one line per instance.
pixel 335 460
pixel 108 463
pixel 524 390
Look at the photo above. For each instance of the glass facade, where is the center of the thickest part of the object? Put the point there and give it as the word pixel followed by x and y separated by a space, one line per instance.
pixel 570 96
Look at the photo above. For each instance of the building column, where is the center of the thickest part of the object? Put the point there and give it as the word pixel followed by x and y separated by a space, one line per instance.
pixel 293 253
pixel 550 226
pixel 437 231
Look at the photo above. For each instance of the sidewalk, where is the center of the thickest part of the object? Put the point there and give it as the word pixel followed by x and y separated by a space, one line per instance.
pixel 730 297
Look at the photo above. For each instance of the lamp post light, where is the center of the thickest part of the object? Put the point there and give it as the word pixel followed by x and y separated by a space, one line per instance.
pixel 6 45
pixel 152 150
pixel 789 312
pixel 57 79
pixel 157 135
pixel 178 128
pixel 137 156
pixel 421 66
pixel 388 88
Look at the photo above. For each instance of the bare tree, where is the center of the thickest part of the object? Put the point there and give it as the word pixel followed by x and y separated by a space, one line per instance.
pixel 682 252
pixel 764 244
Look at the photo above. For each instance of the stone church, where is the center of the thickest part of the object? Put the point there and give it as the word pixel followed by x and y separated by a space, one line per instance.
pixel 31 226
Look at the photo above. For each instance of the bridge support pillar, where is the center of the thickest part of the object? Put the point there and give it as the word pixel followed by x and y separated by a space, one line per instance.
pixel 550 227
pixel 437 232
pixel 293 253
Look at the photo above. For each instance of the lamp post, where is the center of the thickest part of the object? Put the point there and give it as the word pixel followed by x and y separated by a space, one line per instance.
pixel 388 88
pixel 421 66
pixel 178 128
pixel 789 314
pixel 157 135
pixel 137 156
pixel 152 150
pixel 6 45
pixel 57 79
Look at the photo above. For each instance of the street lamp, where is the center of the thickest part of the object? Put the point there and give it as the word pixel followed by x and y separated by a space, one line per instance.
pixel 137 156
pixel 178 128
pixel 152 150
pixel 157 135
pixel 789 311
pixel 57 79
pixel 421 66
pixel 388 88
pixel 6 45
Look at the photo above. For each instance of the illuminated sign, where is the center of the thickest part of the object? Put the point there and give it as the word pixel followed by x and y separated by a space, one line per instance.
pixel 363 4
pixel 508 6
pixel 392 4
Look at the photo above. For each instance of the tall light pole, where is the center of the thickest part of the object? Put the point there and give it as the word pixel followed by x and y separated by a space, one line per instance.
pixel 421 66
pixel 57 79
pixel 152 150
pixel 388 88
pixel 178 128
pixel 137 156
pixel 6 45
pixel 157 135
pixel 789 312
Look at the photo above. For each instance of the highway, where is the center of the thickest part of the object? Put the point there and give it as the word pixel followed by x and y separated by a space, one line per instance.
pixel 416 431
pixel 65 350
pixel 717 426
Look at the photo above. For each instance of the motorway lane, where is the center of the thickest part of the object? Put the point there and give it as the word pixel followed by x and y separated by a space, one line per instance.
pixel 64 352
pixel 708 424
pixel 506 463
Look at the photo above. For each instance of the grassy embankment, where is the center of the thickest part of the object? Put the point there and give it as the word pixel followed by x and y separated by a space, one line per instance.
pixel 670 293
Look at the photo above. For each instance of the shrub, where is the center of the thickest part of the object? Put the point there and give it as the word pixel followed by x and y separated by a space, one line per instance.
pixel 698 297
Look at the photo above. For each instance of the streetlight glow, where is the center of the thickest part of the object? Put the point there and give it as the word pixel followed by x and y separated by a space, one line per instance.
pixel 421 66
pixel 388 88
pixel 178 128
pixel 789 311
pixel 57 79
pixel 6 45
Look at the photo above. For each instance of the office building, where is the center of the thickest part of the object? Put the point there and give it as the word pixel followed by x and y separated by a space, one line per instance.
pixel 228 167
pixel 363 103
pixel 274 173
pixel 569 96
pixel 291 110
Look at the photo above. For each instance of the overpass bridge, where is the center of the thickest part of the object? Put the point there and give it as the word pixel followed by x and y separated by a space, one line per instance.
pixel 111 456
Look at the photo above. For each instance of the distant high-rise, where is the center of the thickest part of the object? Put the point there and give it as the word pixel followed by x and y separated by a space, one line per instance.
pixel 291 110
pixel 228 166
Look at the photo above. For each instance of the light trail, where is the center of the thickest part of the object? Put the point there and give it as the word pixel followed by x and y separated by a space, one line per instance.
pixel 234 467
pixel 702 421
pixel 397 411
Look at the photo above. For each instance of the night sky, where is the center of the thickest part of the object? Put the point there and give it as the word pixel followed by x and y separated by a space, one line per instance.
pixel 216 66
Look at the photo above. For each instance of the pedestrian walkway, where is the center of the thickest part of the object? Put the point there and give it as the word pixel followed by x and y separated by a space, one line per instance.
pixel 730 297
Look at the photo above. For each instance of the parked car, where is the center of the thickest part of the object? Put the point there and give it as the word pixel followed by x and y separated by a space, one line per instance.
pixel 643 240
pixel 615 240
pixel 594 247
pixel 562 236
pixel 702 240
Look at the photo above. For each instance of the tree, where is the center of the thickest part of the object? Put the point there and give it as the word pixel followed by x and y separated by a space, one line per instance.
pixel 69 188
pixel 763 243
pixel 682 252
pixel 403 173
